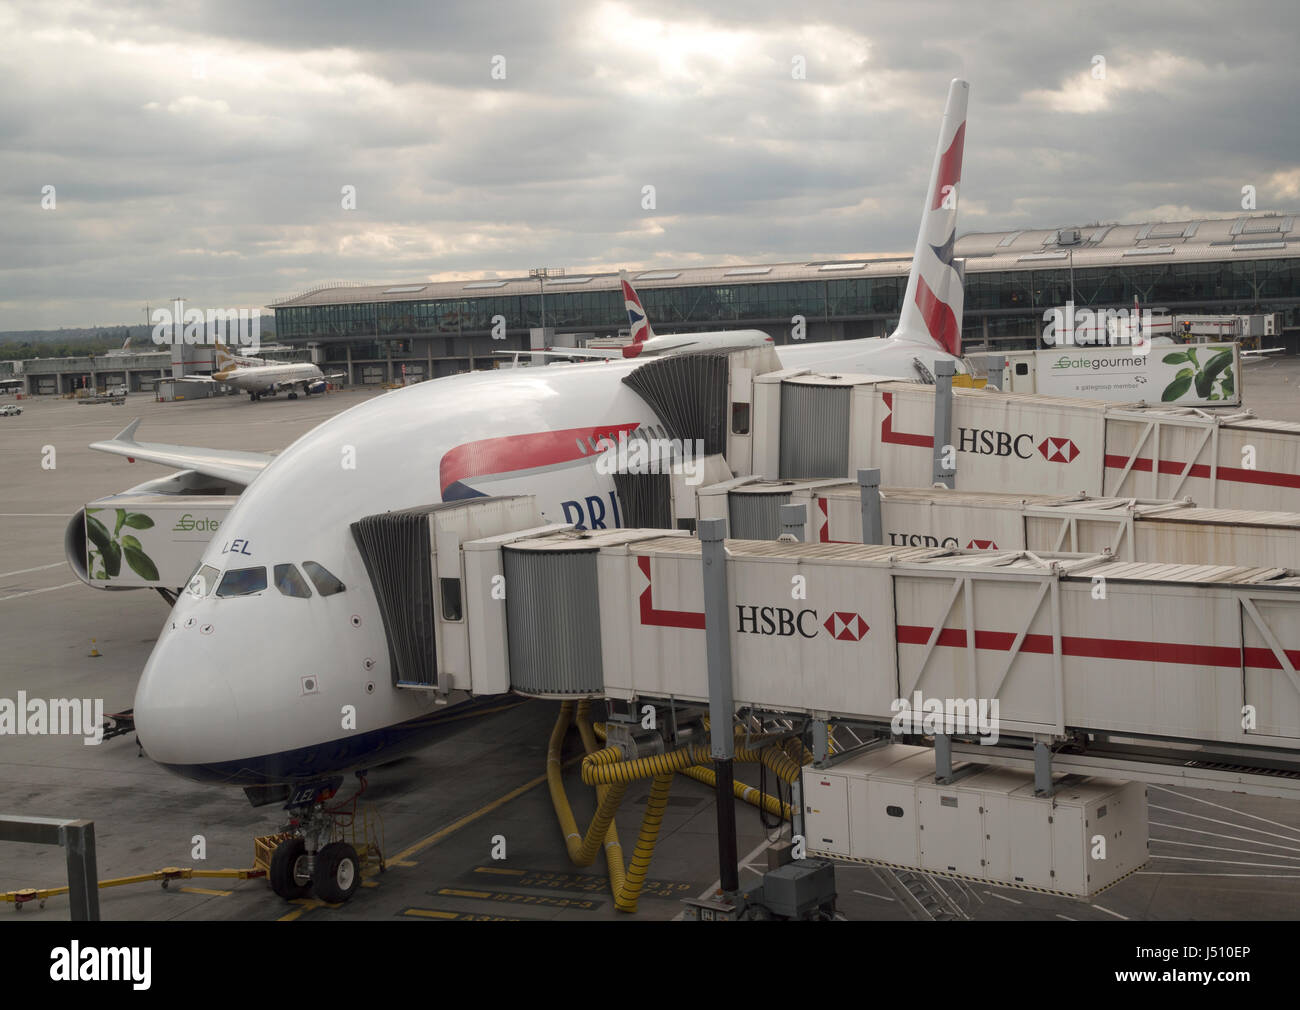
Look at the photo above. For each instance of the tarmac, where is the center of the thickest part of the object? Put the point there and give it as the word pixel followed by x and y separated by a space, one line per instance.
pixel 1214 855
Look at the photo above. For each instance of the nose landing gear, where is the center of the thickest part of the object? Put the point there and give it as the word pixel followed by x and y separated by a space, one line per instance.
pixel 313 858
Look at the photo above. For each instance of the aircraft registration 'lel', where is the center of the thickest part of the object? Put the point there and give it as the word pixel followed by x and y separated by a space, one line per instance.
pixel 285 572
pixel 258 377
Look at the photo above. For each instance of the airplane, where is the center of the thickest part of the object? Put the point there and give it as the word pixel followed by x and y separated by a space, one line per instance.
pixel 286 576
pixel 646 344
pixel 259 377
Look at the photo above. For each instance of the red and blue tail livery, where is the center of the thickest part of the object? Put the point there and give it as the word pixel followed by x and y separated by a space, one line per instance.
pixel 932 306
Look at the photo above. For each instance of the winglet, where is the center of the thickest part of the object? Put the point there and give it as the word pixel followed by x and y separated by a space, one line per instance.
pixel 127 434
pixel 932 305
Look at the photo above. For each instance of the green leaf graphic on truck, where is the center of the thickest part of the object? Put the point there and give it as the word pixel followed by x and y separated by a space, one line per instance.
pixel 110 550
pixel 1213 380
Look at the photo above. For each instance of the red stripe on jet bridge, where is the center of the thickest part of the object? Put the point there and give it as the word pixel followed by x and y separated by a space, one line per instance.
pixel 1167 466
pixel 950 166
pixel 939 319
pixel 495 456
pixel 887 433
pixel 664 618
pixel 1178 653
pixel 1104 648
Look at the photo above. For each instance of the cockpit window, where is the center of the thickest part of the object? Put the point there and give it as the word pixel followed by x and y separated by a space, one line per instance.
pixel 242 582
pixel 290 581
pixel 326 584
pixel 202 581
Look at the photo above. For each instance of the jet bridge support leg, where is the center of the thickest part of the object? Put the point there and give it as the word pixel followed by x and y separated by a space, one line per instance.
pixel 869 492
pixel 942 758
pixel 820 740
pixel 722 706
pixel 1043 769
pixel 943 373
pixel 794 520
pixel 994 364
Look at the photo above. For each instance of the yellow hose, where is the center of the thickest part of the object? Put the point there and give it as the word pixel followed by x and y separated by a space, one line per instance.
pixel 606 769
pixel 743 792
pixel 582 850
pixel 701 772
pixel 611 775
pixel 613 848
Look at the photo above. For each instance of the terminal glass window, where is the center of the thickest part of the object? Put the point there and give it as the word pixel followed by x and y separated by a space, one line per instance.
pixel 242 582
pixel 290 582
pixel 325 582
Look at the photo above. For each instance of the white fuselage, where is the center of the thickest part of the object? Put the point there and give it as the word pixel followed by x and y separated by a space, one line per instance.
pixel 269 378
pixel 225 694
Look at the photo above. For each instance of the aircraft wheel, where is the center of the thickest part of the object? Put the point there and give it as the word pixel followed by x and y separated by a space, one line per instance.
pixel 288 872
pixel 293 396
pixel 338 872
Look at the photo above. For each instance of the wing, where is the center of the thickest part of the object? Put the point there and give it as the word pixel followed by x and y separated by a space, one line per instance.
pixel 224 464
pixel 192 378
pixel 571 352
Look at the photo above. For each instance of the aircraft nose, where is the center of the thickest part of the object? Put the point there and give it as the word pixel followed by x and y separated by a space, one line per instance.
pixel 184 706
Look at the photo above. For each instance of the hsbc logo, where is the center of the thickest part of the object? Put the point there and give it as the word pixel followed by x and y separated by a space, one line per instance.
pixel 782 622
pixel 846 627
pixel 982 545
pixel 920 540
pixel 992 442
pixel 1058 450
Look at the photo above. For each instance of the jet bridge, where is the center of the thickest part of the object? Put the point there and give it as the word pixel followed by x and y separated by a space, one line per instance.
pixel 1071 647
pixel 810 425
pixel 1130 529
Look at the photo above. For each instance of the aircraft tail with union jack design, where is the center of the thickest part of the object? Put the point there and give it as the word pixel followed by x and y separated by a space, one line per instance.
pixel 932 306
pixel 638 325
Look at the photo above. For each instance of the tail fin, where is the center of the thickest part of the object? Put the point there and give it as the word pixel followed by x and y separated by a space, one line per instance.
pixel 637 323
pixel 932 306
pixel 224 358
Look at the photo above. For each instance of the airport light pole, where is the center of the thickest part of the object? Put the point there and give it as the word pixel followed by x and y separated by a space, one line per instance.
pixel 541 273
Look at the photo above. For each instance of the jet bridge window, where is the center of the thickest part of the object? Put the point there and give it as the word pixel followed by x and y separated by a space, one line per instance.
pixel 321 577
pixel 290 582
pixel 242 582
pixel 451 605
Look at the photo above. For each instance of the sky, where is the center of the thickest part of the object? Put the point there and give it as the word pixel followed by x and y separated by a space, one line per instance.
pixel 204 149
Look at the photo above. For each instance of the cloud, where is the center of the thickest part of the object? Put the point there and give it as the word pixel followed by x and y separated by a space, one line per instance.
pixel 203 149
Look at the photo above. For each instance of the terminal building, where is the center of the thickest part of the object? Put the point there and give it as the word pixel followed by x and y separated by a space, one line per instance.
pixel 410 332
pixel 1248 264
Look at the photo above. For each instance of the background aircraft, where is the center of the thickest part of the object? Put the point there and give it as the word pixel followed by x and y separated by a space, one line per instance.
pixel 258 377
pixel 646 344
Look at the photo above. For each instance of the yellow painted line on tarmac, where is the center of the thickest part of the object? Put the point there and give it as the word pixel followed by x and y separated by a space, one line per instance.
pixel 499 870
pixel 403 858
pixel 205 890
pixel 430 913
pixel 455 826
pixel 454 892
pixel 306 905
